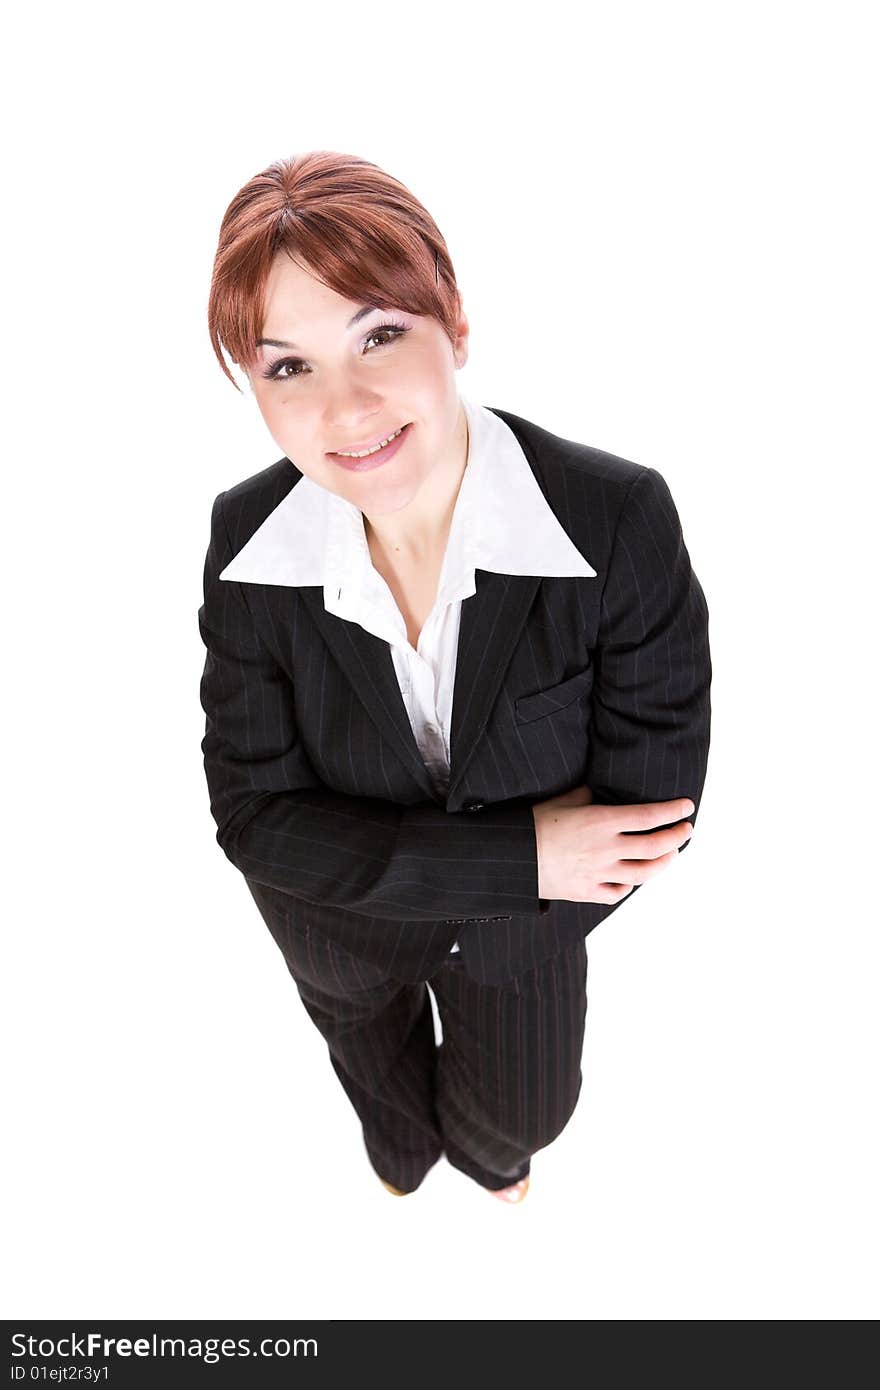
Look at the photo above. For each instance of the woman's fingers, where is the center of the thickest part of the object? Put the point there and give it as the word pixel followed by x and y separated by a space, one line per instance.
pixel 631 871
pixel 647 815
pixel 658 845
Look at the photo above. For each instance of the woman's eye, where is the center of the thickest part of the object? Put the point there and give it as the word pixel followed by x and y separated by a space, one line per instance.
pixel 277 372
pixel 377 331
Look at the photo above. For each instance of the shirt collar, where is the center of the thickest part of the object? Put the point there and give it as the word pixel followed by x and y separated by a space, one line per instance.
pixel 501 522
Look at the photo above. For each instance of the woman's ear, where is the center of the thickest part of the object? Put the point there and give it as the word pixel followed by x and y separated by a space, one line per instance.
pixel 460 348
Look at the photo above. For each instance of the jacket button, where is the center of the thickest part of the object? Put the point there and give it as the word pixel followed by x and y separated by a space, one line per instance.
pixel 473 805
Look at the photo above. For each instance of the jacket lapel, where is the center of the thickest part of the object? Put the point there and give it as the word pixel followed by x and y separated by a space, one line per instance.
pixel 492 620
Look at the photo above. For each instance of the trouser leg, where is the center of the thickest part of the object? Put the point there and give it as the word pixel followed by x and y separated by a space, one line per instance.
pixel 509 1067
pixel 380 1035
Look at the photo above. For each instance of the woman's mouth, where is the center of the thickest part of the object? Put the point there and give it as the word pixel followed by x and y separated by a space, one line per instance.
pixel 375 457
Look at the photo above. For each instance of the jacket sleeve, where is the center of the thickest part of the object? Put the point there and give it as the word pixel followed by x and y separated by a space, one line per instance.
pixel 649 732
pixel 282 827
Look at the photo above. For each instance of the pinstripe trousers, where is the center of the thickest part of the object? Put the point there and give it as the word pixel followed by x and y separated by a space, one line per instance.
pixel 502 1084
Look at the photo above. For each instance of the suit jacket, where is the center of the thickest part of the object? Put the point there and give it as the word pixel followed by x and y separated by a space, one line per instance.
pixel 501 522
pixel 318 789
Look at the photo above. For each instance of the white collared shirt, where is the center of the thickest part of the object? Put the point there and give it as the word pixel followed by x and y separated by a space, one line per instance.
pixel 501 522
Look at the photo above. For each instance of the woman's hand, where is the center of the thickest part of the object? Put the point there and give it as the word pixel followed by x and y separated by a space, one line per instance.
pixel 583 855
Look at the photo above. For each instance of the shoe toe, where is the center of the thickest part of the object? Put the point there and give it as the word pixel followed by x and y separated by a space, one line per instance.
pixel 513 1194
pixel 395 1190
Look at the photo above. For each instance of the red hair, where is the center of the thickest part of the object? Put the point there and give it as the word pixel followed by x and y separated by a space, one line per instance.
pixel 358 230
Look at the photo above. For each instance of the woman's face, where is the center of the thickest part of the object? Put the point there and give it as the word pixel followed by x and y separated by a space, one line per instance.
pixel 348 385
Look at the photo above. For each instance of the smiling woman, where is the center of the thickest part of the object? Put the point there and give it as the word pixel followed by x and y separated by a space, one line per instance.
pixel 456 686
pixel 349 326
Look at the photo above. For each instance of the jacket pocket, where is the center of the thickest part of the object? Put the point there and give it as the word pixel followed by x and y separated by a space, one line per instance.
pixel 556 697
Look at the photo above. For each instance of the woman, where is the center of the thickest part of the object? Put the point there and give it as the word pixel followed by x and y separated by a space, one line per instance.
pixel 452 661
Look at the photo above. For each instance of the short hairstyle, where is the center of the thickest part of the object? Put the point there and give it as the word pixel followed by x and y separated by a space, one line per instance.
pixel 359 230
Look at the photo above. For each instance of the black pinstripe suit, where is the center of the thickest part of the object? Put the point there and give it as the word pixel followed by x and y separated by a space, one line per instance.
pixel 366 878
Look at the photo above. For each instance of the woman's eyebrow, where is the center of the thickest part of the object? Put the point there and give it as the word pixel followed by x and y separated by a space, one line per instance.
pixel 277 342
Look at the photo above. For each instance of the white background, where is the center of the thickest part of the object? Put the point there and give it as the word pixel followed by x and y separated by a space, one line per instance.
pixel 661 221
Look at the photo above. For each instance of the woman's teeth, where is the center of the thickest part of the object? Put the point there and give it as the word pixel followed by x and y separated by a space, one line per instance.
pixel 366 452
